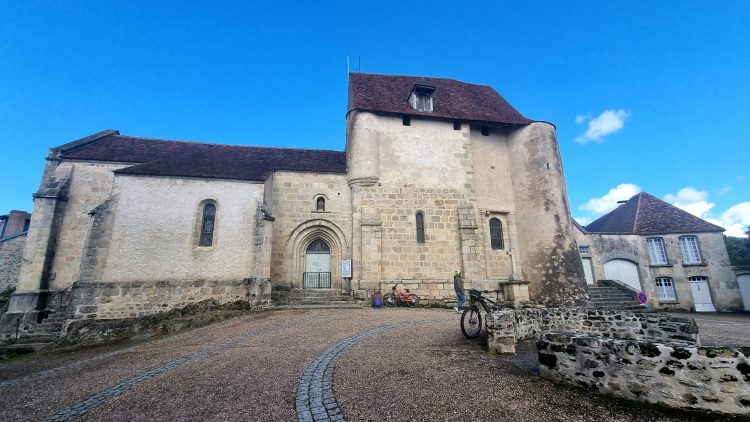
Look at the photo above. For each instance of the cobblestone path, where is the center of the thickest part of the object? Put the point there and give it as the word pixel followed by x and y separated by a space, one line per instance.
pixel 309 365
pixel 316 400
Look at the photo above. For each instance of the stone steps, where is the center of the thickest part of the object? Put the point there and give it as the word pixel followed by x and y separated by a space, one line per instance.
pixel 611 296
pixel 322 297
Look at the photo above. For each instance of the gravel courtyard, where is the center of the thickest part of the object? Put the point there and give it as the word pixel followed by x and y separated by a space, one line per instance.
pixel 336 364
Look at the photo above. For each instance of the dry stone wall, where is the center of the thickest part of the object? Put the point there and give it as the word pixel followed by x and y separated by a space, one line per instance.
pixel 675 374
pixel 11 253
pixel 139 298
pixel 506 327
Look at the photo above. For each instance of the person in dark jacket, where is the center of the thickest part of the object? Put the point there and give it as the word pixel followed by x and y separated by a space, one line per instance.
pixel 458 286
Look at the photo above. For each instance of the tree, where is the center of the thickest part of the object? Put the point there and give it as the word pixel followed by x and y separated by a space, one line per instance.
pixel 738 249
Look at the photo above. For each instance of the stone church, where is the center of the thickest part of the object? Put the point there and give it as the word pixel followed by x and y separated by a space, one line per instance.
pixel 437 176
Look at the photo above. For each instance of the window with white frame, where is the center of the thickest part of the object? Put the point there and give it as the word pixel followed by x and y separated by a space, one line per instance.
pixel 656 251
pixel 584 249
pixel 665 289
pixel 691 254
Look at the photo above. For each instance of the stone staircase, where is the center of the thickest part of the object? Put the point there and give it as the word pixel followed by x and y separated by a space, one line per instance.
pixel 317 297
pixel 610 295
pixel 36 329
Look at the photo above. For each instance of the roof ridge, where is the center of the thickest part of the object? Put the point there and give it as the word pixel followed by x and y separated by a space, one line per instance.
pixel 637 211
pixel 424 77
pixel 225 145
pixel 86 140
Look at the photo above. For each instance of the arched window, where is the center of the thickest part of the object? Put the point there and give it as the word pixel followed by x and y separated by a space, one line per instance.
pixel 207 225
pixel 420 227
pixel 320 204
pixel 496 233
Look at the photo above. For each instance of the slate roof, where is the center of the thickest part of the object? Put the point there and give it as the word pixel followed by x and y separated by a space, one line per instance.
pixel 451 99
pixel 646 214
pixel 159 157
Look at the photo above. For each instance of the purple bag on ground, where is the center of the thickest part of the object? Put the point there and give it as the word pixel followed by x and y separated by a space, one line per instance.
pixel 377 300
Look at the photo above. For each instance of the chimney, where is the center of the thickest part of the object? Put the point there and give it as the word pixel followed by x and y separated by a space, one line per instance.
pixel 17 223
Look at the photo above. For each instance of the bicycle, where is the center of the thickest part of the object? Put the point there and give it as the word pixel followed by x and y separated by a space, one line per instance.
pixel 397 297
pixel 471 318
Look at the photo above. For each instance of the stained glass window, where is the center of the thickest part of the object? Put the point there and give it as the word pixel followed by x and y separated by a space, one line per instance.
pixel 207 225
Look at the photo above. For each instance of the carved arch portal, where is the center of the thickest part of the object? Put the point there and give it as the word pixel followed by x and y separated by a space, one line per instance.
pixel 307 233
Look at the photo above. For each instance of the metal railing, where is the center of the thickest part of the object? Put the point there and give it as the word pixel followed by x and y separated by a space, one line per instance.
pixel 316 280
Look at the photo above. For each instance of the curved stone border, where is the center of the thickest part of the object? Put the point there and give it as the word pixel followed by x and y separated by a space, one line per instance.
pixel 104 396
pixel 315 398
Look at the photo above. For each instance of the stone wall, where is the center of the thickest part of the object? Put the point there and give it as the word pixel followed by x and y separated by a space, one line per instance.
pixel 155 230
pixel 392 178
pixel 675 374
pixel 11 253
pixel 139 298
pixel 506 327
pixel 547 254
pixel 64 226
pixel 292 198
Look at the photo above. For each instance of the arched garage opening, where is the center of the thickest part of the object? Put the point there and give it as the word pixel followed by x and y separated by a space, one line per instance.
pixel 624 271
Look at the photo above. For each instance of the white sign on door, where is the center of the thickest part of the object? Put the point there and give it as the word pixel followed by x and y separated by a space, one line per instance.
pixel 346 268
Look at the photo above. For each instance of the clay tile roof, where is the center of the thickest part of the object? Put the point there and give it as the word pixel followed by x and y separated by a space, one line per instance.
pixel 646 214
pixel 451 99
pixel 158 157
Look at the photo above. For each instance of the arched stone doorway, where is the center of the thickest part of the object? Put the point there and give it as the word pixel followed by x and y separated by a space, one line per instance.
pixel 317 273
pixel 303 238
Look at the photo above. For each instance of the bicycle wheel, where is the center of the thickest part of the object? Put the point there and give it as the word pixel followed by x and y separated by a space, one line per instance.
pixel 414 301
pixel 471 323
pixel 389 300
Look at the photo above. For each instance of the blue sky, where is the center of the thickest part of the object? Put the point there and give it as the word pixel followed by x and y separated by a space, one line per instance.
pixel 645 96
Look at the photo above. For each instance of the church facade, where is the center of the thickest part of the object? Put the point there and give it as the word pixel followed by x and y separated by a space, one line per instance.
pixel 437 176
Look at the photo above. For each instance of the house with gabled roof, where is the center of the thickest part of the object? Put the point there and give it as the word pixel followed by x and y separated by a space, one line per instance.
pixel 13 228
pixel 679 260
pixel 437 176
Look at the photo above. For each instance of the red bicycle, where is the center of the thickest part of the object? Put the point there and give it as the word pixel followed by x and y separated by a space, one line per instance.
pixel 397 297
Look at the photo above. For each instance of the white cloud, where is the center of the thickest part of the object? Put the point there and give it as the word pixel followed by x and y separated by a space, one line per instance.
pixel 610 121
pixel 583 118
pixel 583 220
pixel 724 190
pixel 691 200
pixel 604 204
pixel 736 219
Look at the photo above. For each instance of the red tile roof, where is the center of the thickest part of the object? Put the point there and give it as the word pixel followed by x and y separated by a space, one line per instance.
pixel 159 157
pixel 646 214
pixel 451 99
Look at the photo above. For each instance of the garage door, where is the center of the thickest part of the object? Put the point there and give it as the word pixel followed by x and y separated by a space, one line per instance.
pixel 624 271
pixel 744 282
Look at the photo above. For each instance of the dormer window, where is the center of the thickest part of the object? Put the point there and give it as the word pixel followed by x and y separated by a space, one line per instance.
pixel 421 98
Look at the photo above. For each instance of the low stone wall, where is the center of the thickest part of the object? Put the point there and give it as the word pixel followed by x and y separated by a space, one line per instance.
pixel 506 327
pixel 675 374
pixel 139 298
